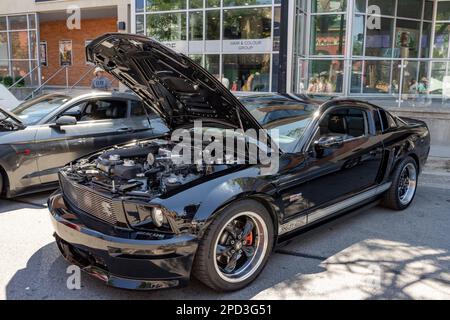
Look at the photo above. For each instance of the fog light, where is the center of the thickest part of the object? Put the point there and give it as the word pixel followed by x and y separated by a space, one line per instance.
pixel 158 217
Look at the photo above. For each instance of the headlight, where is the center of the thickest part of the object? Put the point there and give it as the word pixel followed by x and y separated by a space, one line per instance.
pixel 141 216
pixel 158 217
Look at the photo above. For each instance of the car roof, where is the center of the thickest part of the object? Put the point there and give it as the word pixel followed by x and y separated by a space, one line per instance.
pixel 270 98
pixel 76 94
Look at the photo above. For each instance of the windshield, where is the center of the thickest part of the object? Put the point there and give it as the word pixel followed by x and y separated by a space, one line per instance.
pixel 289 118
pixel 33 111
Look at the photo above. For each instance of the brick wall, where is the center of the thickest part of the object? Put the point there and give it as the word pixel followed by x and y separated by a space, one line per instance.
pixel 54 31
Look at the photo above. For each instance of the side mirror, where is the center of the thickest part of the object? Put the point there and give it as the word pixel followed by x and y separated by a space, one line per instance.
pixel 64 121
pixel 329 142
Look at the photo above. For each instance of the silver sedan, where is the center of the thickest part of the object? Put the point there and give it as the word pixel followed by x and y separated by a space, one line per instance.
pixel 46 133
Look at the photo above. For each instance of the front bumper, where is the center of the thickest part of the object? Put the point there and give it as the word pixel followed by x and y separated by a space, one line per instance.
pixel 123 262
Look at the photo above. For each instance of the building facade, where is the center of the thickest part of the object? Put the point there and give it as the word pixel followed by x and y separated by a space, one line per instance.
pixel 369 47
pixel 383 49
pixel 43 42
pixel 236 40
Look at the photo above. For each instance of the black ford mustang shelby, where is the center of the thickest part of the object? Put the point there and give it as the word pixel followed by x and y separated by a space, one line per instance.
pixel 136 219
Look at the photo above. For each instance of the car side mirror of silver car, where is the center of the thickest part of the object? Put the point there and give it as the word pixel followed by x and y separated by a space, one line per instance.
pixel 64 121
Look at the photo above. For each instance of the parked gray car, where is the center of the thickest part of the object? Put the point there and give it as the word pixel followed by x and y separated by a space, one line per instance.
pixel 46 133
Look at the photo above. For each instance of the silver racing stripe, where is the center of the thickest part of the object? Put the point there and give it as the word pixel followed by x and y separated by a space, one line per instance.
pixel 324 212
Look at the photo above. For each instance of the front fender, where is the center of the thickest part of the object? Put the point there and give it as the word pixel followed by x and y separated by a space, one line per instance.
pixel 200 202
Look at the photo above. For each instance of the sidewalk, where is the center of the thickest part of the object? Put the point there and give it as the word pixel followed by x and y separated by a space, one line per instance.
pixel 440 152
pixel 437 170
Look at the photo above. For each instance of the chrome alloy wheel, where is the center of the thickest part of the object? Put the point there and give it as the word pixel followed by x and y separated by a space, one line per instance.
pixel 241 247
pixel 407 184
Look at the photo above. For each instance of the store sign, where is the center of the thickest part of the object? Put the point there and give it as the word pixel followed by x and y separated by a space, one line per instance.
pixel 249 45
pixel 179 46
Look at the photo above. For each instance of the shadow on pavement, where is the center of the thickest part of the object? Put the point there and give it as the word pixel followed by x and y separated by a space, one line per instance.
pixel 35 201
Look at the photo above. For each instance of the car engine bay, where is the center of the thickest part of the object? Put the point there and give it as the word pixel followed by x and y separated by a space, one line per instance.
pixel 146 169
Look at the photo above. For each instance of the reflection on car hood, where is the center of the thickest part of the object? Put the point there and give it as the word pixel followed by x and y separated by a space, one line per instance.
pixel 171 84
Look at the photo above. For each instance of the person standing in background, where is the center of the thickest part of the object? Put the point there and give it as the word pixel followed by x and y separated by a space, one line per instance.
pixel 100 82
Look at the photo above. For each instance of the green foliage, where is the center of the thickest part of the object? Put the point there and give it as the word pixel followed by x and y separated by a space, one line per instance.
pixel 8 81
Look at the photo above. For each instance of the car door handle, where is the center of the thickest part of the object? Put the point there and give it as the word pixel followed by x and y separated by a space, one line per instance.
pixel 124 129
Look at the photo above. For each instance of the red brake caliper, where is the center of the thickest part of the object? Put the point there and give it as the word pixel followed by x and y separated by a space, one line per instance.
pixel 249 239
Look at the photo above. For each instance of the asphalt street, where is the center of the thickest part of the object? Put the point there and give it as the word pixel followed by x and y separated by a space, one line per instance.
pixel 370 254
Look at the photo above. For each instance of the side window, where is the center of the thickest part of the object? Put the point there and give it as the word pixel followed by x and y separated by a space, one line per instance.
pixel 137 109
pixel 104 110
pixel 73 111
pixel 377 120
pixel 387 120
pixel 346 122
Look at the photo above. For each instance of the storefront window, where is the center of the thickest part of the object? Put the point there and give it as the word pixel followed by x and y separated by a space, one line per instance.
pixel 212 64
pixel 197 58
pixel 18 23
pixel 32 21
pixel 214 32
pixel 20 69
pixel 140 24
pixel 229 3
pixel 196 25
pixel 329 5
pixel 19 47
pixel 33 44
pixel 139 5
pixel 328 35
pixel 275 66
pixel 379 41
pixel 325 76
pixel 3 23
pixel 195 4
pixel 276 28
pixel 255 23
pixel 3 46
pixel 19 44
pixel 4 68
pixel 438 72
pixel 387 7
pixel 376 77
pixel 212 3
pixel 165 5
pixel 356 76
pixel 213 25
pixel 443 10
pixel 247 72
pixel 441 38
pixel 425 42
pixel 410 9
pixel 428 12
pixel 358 35
pixel 407 40
pixel 360 6
pixel 167 26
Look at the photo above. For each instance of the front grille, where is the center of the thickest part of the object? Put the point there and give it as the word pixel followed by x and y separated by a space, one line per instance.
pixel 90 202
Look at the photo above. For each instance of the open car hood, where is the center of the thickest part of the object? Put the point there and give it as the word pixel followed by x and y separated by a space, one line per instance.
pixel 171 84
pixel 11 115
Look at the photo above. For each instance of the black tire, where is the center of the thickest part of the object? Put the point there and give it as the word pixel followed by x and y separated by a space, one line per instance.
pixel 393 197
pixel 206 265
pixel 2 184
